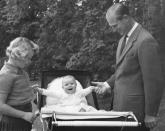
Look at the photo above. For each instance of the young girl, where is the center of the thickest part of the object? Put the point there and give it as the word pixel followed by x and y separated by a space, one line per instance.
pixel 15 91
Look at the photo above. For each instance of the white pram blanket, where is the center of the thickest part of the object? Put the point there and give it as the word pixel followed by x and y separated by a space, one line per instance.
pixel 69 108
pixel 70 114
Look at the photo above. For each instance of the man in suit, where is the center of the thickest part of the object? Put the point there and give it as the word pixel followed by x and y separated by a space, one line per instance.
pixel 137 82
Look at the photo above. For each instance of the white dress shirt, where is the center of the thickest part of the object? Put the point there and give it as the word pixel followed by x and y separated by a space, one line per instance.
pixel 131 31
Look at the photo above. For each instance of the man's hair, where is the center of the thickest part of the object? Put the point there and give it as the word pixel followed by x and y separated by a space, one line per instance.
pixel 120 10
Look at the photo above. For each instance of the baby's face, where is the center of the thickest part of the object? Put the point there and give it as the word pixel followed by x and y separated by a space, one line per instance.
pixel 69 85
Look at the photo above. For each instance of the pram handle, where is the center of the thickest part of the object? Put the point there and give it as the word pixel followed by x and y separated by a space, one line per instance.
pixel 96 123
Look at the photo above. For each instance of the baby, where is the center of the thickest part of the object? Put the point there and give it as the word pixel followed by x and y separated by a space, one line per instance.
pixel 73 100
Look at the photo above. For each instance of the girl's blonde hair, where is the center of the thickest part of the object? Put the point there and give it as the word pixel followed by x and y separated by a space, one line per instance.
pixel 20 47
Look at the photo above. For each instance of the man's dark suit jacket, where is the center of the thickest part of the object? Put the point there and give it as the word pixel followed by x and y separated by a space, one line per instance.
pixel 138 84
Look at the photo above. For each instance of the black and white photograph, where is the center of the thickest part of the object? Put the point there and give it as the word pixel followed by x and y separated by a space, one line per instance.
pixel 82 65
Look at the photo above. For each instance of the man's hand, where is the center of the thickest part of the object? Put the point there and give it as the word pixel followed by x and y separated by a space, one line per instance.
pixel 101 87
pixel 150 121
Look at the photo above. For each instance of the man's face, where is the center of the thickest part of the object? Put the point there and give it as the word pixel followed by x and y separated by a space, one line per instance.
pixel 117 25
pixel 69 85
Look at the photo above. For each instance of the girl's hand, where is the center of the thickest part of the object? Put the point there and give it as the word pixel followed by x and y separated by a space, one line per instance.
pixel 30 117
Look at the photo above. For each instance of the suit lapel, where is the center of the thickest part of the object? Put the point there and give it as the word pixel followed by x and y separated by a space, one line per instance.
pixel 129 44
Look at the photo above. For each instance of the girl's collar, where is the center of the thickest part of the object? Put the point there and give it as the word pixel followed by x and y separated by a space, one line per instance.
pixel 14 68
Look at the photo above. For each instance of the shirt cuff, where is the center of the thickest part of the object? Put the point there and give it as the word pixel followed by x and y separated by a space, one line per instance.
pixel 107 85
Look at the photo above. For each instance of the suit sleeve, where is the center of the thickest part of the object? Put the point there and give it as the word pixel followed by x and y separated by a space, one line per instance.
pixel 151 68
pixel 111 81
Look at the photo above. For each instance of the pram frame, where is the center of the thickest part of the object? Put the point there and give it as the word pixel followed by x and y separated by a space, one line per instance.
pixel 85 82
pixel 135 123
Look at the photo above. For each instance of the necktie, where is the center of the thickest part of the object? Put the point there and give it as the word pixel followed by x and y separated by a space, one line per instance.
pixel 123 44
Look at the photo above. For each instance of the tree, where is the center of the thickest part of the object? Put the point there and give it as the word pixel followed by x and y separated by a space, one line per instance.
pixel 74 34
pixel 155 15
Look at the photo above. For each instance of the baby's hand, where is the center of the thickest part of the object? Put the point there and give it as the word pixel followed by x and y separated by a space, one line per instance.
pixel 34 87
pixel 37 89
pixel 93 88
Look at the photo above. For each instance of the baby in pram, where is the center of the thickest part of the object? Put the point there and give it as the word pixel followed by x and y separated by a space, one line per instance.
pixel 66 105
pixel 72 97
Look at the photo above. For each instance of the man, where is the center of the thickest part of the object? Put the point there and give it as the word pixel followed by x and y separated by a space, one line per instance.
pixel 138 77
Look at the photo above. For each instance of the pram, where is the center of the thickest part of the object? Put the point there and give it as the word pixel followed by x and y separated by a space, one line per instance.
pixel 56 120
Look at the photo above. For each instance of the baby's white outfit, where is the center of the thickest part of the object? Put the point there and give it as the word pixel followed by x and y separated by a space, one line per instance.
pixel 57 99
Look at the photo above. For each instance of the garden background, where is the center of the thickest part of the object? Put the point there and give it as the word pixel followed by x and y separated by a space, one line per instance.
pixel 74 35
